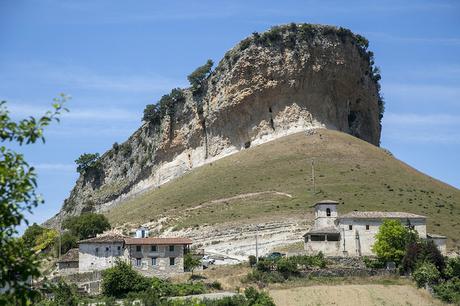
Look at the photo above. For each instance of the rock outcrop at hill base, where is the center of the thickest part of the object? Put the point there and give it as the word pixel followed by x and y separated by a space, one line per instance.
pixel 288 79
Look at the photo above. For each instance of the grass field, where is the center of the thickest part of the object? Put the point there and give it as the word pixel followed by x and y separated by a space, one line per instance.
pixel 357 174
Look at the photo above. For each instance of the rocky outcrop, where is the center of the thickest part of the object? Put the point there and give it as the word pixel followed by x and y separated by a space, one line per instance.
pixel 288 79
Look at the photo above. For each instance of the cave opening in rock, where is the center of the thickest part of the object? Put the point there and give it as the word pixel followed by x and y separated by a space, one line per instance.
pixel 247 144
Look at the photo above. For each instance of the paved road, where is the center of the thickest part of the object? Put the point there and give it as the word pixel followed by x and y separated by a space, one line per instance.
pixel 209 296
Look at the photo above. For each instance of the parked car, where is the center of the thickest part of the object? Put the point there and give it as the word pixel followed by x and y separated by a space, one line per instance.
pixel 275 255
pixel 207 261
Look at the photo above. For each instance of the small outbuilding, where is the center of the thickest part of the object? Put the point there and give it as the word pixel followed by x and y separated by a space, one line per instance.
pixel 68 263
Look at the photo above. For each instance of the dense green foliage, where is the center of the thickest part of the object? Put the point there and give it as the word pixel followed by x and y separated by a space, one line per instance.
pixel 449 291
pixel 391 241
pixel 426 274
pixel 31 234
pixel 280 269
pixel 86 225
pixel 17 196
pixel 197 77
pixel 420 251
pixel 87 161
pixel 372 263
pixel 122 279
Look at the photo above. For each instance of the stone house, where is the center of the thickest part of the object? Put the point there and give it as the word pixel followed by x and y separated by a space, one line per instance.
pixel 100 252
pixel 353 234
pixel 68 263
pixel 157 256
pixel 148 255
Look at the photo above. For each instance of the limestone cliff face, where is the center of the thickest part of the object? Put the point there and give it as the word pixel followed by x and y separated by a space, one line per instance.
pixel 286 80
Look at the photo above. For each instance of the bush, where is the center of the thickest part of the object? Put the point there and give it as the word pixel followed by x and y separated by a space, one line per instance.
pixel 426 274
pixel 122 279
pixel 215 285
pixel 255 297
pixel 306 261
pixel 86 225
pixel 452 268
pixel 64 294
pixel 448 291
pixel 421 251
pixel 152 114
pixel 191 262
pixel 287 267
pixel 264 277
pixel 87 161
pixel 252 260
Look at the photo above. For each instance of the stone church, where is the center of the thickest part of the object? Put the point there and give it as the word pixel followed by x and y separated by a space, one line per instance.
pixel 353 234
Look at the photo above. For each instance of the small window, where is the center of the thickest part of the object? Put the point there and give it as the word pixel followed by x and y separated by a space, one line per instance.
pixel 138 262
pixel 154 261
pixel 318 237
pixel 153 248
pixel 172 261
pixel 97 251
pixel 106 249
pixel 118 248
pixel 138 248
pixel 333 237
pixel 350 227
pixel 171 248
pixel 328 212
pixel 367 227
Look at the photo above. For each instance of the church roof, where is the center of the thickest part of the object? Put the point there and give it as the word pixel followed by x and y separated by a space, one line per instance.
pixel 323 230
pixel 380 215
pixel 159 241
pixel 326 202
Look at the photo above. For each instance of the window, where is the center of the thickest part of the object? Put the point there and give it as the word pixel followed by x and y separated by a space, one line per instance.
pixel 328 212
pixel 171 248
pixel 350 227
pixel 172 261
pixel 333 237
pixel 138 248
pixel 153 248
pixel 97 251
pixel 119 250
pixel 317 238
pixel 367 227
pixel 138 262
pixel 106 249
pixel 154 261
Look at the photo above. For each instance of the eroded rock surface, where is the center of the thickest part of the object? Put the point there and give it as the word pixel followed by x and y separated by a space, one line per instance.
pixel 289 79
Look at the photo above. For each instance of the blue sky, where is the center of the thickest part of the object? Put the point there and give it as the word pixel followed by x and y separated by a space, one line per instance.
pixel 114 57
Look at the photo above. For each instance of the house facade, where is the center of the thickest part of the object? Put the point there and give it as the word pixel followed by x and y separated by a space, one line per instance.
pixel 157 256
pixel 353 234
pixel 149 255
pixel 68 263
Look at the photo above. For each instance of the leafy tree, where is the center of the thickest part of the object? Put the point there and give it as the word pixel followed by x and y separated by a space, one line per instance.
pixel 452 267
pixel 87 161
pixel 421 251
pixel 197 77
pixel 391 241
pixel 45 241
pixel 86 225
pixel 255 297
pixel 122 279
pixel 65 294
pixel 31 234
pixel 17 197
pixel 191 262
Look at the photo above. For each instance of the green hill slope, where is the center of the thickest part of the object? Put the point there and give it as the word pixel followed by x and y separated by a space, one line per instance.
pixel 274 180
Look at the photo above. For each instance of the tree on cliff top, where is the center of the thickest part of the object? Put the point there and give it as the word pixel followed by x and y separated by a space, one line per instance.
pixel 18 262
pixel 197 77
pixel 86 161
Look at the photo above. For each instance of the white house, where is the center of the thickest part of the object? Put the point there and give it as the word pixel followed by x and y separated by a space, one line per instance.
pixel 353 234
pixel 148 255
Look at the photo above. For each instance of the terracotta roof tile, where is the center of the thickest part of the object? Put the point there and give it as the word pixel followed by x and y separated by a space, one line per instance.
pixel 158 241
pixel 70 256
pixel 323 230
pixel 104 239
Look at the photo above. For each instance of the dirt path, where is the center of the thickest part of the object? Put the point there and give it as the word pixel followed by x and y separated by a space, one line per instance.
pixel 351 295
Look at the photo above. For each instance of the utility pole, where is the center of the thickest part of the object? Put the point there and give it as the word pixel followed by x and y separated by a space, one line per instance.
pixel 59 254
pixel 257 244
pixel 313 175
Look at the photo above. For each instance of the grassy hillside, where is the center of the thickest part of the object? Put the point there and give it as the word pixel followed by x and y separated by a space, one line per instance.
pixel 274 180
